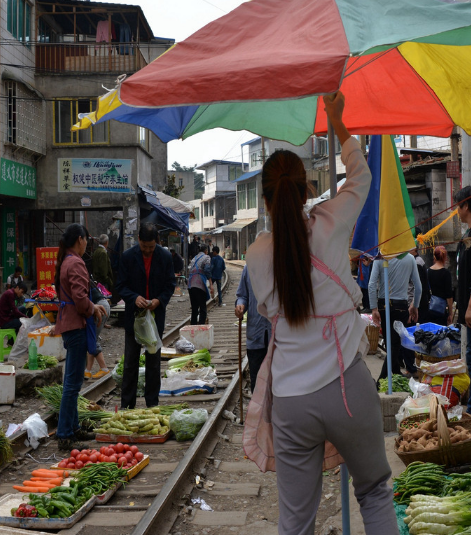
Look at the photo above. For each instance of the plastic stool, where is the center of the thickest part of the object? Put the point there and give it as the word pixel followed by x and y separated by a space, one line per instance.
pixel 6 333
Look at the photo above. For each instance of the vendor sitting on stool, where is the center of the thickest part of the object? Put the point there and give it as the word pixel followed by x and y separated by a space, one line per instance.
pixel 9 313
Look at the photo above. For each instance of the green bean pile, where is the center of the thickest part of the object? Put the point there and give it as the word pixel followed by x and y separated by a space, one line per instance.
pixel 100 477
pixel 419 478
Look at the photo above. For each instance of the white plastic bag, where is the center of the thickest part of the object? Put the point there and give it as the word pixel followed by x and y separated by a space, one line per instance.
pixel 146 333
pixel 36 429
pixel 418 405
pixel 177 385
pixel 207 374
pixel 187 424
pixel 446 367
pixel 28 325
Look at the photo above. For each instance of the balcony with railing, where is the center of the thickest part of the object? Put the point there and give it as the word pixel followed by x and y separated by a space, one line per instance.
pixel 88 57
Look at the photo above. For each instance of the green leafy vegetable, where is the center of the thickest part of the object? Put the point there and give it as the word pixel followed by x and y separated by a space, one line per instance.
pixel 199 359
pixel 44 361
pixel 399 384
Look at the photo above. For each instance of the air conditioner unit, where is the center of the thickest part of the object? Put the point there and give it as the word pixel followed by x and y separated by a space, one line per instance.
pixel 320 147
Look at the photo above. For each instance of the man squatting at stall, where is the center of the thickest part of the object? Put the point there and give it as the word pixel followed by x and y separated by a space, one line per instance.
pixel 145 275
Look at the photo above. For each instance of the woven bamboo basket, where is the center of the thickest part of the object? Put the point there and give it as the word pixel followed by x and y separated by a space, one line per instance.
pixel 419 357
pixel 373 338
pixel 411 420
pixel 445 453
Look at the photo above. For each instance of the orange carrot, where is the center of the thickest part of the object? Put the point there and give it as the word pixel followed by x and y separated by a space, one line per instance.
pixel 42 472
pixel 30 489
pixel 57 481
pixel 38 484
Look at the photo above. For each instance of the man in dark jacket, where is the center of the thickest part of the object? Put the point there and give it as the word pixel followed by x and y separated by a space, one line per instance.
pixel 146 281
pixel 9 313
pixel 101 264
pixel 177 261
pixel 217 267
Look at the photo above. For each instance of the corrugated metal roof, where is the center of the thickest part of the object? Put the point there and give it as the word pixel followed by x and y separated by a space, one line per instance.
pixel 235 226
pixel 248 175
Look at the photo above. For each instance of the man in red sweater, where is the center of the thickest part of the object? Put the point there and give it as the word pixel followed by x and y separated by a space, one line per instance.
pixel 9 313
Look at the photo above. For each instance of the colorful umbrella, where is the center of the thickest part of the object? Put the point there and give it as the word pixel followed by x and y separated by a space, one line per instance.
pixel 405 67
pixel 387 216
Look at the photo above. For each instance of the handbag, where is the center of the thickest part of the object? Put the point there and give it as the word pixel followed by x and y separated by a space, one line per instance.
pixel 437 305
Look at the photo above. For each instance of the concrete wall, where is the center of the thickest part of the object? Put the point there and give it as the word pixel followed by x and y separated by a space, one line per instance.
pixel 188 181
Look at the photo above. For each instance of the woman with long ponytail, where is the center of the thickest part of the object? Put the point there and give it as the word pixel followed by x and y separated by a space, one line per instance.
pixel 320 387
pixel 72 283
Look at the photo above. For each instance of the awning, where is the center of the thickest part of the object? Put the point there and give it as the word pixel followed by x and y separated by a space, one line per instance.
pixel 236 226
pixel 248 175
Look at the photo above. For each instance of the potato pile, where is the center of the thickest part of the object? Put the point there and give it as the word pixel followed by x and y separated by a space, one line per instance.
pixel 425 437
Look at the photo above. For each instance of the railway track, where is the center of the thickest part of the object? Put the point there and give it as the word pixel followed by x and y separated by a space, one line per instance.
pixel 160 499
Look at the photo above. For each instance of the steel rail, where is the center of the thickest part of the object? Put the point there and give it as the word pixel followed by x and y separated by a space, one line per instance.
pixel 169 491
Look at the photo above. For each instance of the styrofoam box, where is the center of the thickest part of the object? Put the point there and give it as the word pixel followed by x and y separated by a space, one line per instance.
pixel 7 384
pixel 201 336
pixel 47 344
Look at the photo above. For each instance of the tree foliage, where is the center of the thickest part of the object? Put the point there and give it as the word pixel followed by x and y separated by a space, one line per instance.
pixel 171 188
pixel 198 178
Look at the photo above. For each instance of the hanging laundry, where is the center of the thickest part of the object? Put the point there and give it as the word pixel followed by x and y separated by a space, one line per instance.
pixel 124 37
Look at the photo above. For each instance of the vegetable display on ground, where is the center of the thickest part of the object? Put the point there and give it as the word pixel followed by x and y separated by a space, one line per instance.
pixel 44 361
pixel 399 383
pixel 6 453
pixel 152 421
pixel 122 455
pixel 87 410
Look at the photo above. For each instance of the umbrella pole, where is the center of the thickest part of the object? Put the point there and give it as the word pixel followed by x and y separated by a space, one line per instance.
pixel 240 373
pixel 345 495
pixel 388 325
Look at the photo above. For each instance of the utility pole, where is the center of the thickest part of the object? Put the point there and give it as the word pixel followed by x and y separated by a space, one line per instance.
pixel 456 186
pixel 465 159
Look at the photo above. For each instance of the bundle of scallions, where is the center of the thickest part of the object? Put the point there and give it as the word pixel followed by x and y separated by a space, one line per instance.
pixel 87 410
pixel 448 515
pixel 6 453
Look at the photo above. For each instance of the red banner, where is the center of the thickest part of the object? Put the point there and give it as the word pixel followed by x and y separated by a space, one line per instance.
pixel 46 265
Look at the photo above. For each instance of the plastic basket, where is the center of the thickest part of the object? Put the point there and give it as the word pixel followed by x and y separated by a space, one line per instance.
pixel 429 327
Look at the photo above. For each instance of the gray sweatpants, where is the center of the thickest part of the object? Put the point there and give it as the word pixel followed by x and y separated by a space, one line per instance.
pixel 301 424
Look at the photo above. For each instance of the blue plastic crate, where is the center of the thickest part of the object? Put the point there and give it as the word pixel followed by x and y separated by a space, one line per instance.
pixel 430 327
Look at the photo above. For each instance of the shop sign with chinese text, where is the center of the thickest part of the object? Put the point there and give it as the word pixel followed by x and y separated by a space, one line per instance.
pixel 46 258
pixel 17 179
pixel 9 241
pixel 80 175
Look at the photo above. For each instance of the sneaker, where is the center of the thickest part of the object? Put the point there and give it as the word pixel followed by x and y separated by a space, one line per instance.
pixel 69 444
pixel 87 375
pixel 81 434
pixel 100 373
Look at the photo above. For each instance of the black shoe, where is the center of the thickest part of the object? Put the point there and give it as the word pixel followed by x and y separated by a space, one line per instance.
pixel 82 434
pixel 69 444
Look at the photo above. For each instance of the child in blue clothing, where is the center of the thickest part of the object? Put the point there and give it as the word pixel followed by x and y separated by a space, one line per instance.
pixel 217 267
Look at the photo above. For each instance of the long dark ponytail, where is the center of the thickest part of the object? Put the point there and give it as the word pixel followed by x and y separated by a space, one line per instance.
pixel 72 233
pixel 285 188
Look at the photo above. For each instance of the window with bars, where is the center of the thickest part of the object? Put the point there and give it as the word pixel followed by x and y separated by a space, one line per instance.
pixel 19 20
pixel 206 209
pixel 241 197
pixel 196 212
pixel 252 195
pixel 25 118
pixel 65 115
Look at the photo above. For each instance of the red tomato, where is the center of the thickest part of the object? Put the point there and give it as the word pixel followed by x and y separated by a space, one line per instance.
pixel 119 447
pixel 86 464
pixel 139 456
pixel 74 453
pixel 63 464
pixel 79 464
pixel 93 452
pixel 101 458
pixel 93 458
pixel 122 461
pixel 126 447
pixel 109 452
pixel 103 449
pixel 85 458
pixel 70 465
pixel 129 456
pixel 71 460
pixel 106 459
pixel 128 466
pixel 113 459
pixel 134 449
pixel 134 462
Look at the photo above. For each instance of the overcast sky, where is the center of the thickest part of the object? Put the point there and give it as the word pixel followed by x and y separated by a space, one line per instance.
pixel 178 19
